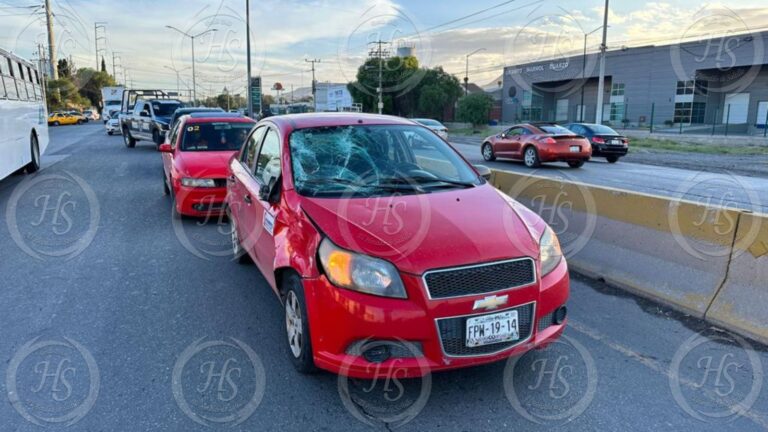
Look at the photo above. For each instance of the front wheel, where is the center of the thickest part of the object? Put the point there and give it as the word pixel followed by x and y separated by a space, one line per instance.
pixel 156 138
pixel 531 157
pixel 34 149
pixel 297 326
pixel 56 123
pixel 109 132
pixel 612 159
pixel 129 141
pixel 576 164
pixel 488 152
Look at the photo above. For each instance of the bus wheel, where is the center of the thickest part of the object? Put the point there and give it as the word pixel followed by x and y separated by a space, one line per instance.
pixel 34 149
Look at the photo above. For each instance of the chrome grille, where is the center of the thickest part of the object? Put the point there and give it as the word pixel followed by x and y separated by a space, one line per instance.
pixel 479 279
pixel 453 333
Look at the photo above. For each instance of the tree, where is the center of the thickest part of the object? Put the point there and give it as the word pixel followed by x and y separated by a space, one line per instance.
pixel 91 82
pixel 64 68
pixel 103 65
pixel 408 89
pixel 267 99
pixel 475 108
pixel 63 93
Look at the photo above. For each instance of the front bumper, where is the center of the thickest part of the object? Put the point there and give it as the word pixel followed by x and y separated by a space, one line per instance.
pixel 200 202
pixel 112 127
pixel 341 320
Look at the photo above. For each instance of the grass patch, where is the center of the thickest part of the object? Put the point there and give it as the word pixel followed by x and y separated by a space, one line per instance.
pixel 675 146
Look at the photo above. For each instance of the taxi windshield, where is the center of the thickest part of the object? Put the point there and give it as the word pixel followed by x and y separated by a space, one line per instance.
pixel 215 136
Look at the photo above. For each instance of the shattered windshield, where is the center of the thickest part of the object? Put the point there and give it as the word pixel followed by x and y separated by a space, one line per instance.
pixel 375 160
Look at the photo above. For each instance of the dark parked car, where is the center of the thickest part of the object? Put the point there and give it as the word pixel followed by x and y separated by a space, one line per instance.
pixel 605 141
pixel 189 110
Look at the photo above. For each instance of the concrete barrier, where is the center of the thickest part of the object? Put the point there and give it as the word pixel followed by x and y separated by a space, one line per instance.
pixel 672 251
pixel 742 303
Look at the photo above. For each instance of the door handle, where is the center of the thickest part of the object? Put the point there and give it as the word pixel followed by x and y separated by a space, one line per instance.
pixel 231 178
pixel 247 199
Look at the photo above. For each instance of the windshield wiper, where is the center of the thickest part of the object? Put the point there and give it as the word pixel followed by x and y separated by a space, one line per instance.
pixel 390 187
pixel 423 179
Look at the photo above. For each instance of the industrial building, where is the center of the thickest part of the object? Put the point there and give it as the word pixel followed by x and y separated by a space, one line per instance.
pixel 699 84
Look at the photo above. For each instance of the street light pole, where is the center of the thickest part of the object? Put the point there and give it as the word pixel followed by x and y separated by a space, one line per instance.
pixel 583 73
pixel 466 72
pixel 601 79
pixel 177 71
pixel 192 37
pixel 248 56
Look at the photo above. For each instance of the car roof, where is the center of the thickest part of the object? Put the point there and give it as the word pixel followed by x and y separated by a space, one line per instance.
pixel 308 120
pixel 188 110
pixel 211 117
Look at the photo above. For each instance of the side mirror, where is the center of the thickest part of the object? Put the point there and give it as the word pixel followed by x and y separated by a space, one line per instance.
pixel 270 192
pixel 484 171
pixel 144 114
pixel 165 148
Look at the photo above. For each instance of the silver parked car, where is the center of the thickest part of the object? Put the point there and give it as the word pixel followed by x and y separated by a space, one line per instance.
pixel 435 125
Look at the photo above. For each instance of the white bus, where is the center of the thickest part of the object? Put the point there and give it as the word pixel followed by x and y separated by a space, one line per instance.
pixel 23 116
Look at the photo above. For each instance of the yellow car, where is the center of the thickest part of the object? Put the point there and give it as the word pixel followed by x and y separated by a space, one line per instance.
pixel 57 119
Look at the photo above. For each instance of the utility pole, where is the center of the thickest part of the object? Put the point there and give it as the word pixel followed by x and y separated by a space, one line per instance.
pixel 192 37
pixel 96 38
pixel 466 71
pixel 51 45
pixel 114 70
pixel 314 84
pixel 248 56
pixel 601 79
pixel 380 53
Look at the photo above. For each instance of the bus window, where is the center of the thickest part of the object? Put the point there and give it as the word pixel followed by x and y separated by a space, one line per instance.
pixel 8 81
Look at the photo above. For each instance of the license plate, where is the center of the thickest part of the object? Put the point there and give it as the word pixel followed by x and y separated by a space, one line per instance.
pixel 575 149
pixel 616 142
pixel 490 329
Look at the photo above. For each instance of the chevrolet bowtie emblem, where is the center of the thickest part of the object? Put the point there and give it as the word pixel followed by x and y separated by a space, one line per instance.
pixel 490 302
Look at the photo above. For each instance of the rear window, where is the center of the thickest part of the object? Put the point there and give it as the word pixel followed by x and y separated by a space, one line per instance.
pixel 555 130
pixel 602 130
pixel 165 108
pixel 428 122
pixel 215 136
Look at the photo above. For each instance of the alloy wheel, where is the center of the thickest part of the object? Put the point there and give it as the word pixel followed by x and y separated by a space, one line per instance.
pixel 530 156
pixel 293 323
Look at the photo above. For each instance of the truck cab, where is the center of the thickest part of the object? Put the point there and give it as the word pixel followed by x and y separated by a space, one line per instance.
pixel 148 120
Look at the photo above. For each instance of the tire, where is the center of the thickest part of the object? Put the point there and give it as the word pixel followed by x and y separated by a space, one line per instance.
pixel 531 157
pixel 488 154
pixel 56 123
pixel 166 189
pixel 576 164
pixel 34 149
pixel 156 138
pixel 79 122
pixel 128 140
pixel 238 253
pixel 297 325
pixel 612 159
pixel 109 132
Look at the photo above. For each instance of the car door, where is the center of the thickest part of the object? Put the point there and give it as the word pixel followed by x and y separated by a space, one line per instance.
pixel 508 144
pixel 168 157
pixel 263 212
pixel 145 122
pixel 240 199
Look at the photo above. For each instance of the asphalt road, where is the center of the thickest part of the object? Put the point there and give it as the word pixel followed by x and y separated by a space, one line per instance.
pixel 724 189
pixel 116 318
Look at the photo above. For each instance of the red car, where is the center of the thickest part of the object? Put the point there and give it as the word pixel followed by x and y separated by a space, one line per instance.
pixel 534 143
pixel 388 250
pixel 196 158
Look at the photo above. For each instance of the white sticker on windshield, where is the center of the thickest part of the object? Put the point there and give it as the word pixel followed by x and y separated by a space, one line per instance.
pixel 269 222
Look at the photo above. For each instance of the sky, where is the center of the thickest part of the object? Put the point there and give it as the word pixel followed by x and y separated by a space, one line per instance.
pixel 287 33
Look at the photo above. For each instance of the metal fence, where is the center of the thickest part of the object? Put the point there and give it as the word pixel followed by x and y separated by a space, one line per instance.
pixel 692 118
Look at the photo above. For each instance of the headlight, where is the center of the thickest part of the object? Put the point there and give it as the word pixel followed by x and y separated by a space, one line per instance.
pixel 360 272
pixel 198 182
pixel 549 250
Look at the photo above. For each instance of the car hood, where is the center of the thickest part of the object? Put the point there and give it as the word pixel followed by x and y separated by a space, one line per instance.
pixel 422 232
pixel 203 164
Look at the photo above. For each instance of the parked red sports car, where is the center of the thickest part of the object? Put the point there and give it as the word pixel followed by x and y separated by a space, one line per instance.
pixel 388 250
pixel 534 143
pixel 196 156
